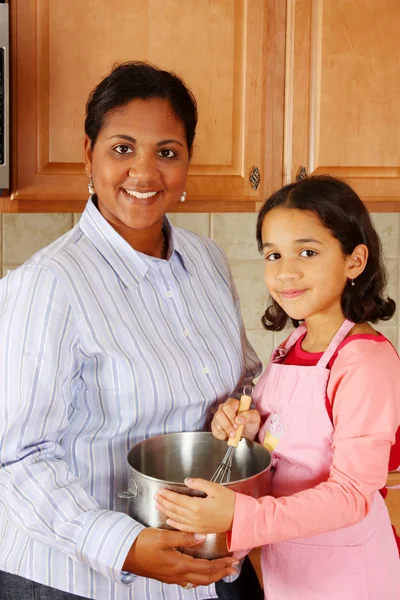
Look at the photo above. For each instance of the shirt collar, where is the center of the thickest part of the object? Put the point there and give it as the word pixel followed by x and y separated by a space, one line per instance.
pixel 130 265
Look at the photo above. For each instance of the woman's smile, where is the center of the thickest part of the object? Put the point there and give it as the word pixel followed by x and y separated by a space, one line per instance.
pixel 141 198
pixel 141 195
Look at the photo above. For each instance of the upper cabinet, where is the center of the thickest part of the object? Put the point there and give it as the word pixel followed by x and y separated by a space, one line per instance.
pixel 342 95
pixel 283 87
pixel 61 50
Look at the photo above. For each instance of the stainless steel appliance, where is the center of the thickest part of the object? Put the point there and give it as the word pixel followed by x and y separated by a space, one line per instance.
pixel 4 98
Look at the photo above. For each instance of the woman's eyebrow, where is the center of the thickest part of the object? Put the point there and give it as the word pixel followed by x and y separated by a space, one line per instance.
pixel 171 141
pixel 122 136
pixel 128 138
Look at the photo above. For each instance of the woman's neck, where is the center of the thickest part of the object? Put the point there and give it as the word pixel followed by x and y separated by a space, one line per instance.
pixel 152 241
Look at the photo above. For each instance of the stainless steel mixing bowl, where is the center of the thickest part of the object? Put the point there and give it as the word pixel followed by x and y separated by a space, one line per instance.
pixel 165 461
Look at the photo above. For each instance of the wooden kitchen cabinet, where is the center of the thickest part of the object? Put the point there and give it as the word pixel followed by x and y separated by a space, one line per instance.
pixel 393 500
pixel 342 105
pixel 280 84
pixel 60 50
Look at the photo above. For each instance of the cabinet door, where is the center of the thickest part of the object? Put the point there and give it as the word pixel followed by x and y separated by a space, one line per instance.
pixel 343 95
pixel 393 500
pixel 63 49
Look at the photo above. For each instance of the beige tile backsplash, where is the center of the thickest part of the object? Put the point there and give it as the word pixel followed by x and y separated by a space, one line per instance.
pixel 21 235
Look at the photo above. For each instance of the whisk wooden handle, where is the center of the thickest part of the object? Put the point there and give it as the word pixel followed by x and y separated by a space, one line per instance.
pixel 244 404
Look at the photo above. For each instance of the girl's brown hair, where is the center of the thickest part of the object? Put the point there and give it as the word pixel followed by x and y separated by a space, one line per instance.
pixel 340 210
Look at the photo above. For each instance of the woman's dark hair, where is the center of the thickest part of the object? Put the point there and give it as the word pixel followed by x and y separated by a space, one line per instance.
pixel 138 80
pixel 340 210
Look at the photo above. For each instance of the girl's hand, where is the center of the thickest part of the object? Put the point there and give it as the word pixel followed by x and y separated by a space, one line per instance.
pixel 226 422
pixel 213 514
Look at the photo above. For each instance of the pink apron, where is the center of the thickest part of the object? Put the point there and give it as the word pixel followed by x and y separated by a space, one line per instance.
pixel 359 562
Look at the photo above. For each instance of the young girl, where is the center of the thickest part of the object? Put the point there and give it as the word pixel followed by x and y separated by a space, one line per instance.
pixel 329 407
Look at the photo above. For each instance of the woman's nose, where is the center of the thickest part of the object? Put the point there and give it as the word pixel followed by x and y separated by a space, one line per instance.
pixel 143 169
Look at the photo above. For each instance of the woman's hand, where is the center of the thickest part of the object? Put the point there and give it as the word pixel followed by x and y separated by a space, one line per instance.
pixel 226 421
pixel 213 514
pixel 154 554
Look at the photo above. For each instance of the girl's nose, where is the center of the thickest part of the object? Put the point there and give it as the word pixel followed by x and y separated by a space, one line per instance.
pixel 288 270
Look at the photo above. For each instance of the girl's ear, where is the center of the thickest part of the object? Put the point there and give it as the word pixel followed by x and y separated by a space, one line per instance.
pixel 357 261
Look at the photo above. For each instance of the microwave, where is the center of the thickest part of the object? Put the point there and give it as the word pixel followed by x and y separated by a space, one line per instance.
pixel 4 99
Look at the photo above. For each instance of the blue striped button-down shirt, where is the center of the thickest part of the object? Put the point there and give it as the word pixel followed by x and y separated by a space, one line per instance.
pixel 100 347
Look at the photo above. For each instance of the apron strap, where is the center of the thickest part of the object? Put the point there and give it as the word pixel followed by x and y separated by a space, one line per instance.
pixel 281 350
pixel 338 338
pixel 293 337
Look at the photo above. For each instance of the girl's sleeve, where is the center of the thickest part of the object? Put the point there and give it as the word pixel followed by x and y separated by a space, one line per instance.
pixel 40 362
pixel 364 389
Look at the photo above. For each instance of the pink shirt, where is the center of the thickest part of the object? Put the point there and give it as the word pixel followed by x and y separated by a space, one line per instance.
pixel 364 393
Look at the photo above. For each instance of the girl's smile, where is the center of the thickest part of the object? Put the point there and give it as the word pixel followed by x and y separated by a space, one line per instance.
pixel 291 294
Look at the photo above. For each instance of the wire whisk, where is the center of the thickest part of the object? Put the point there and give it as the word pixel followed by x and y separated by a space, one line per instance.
pixel 224 470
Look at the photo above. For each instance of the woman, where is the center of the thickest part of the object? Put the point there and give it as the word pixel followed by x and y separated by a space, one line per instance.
pixel 123 329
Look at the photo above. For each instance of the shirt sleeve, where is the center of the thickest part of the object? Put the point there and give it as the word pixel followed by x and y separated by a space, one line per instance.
pixel 364 389
pixel 39 364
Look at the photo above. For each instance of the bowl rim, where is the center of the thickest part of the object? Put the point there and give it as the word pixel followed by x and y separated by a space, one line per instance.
pixel 181 484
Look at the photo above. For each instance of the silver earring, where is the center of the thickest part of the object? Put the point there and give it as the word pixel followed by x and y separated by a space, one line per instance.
pixel 183 197
pixel 91 187
pixel 352 282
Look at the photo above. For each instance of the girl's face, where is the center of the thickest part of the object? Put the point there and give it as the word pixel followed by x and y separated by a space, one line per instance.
pixel 305 268
pixel 139 164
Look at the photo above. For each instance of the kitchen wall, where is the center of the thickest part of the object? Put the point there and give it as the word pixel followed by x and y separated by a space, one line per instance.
pixel 23 234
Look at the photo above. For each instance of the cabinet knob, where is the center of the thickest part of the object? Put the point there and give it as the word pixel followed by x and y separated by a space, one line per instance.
pixel 301 173
pixel 255 178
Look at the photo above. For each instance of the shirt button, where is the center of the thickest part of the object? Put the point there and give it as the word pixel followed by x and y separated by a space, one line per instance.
pixel 170 294
pixel 205 370
pixel 186 332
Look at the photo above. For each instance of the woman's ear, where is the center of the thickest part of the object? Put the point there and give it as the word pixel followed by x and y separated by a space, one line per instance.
pixel 88 155
pixel 357 261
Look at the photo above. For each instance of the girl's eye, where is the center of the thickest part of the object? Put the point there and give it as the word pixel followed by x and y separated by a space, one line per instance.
pixel 123 149
pixel 273 256
pixel 308 253
pixel 167 153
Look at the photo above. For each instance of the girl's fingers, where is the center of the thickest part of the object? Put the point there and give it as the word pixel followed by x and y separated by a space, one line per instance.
pixel 173 499
pixel 229 408
pixel 224 419
pixel 181 526
pixel 221 426
pixel 172 510
pixel 217 430
pixel 247 417
pixel 172 514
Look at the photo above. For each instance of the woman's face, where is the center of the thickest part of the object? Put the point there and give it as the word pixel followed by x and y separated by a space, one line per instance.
pixel 139 164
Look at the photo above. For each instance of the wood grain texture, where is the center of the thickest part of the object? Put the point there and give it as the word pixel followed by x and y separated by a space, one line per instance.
pixel 60 52
pixel 343 95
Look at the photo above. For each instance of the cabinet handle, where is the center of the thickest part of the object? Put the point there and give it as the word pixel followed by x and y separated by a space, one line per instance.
pixel 255 178
pixel 301 173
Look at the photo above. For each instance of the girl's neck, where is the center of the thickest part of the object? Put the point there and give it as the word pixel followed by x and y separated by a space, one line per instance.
pixel 320 331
